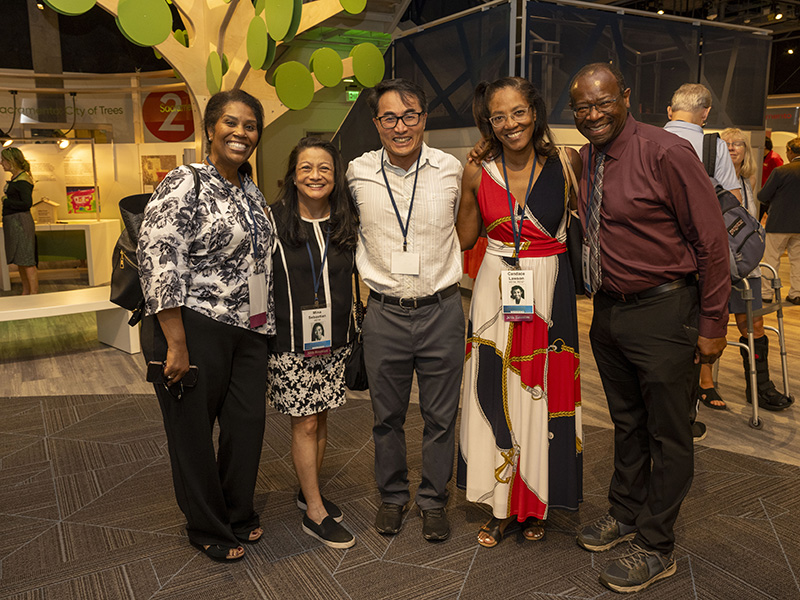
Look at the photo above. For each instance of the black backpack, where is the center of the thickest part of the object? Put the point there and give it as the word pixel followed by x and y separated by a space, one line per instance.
pixel 126 290
pixel 746 237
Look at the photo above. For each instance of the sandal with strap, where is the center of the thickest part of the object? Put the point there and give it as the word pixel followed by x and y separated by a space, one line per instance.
pixel 710 395
pixel 533 529
pixel 249 537
pixel 220 553
pixel 497 529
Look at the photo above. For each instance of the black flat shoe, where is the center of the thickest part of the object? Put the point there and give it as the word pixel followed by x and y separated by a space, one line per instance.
pixel 334 512
pixel 329 532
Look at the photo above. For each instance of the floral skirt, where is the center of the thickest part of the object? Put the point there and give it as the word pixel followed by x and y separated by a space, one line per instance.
pixel 300 386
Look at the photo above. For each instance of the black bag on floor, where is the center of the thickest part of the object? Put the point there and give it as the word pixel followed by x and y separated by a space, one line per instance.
pixel 126 290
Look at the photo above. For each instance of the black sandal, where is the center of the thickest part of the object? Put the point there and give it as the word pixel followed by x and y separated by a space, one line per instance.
pixel 709 395
pixel 497 529
pixel 533 529
pixel 219 553
pixel 246 538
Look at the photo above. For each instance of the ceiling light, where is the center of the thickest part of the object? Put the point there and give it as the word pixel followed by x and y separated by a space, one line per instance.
pixel 661 11
pixel 40 6
pixel 778 16
pixel 7 143
pixel 63 143
pixel 790 51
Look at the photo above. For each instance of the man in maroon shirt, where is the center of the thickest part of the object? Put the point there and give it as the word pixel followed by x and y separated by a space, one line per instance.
pixel 660 306
pixel 772 160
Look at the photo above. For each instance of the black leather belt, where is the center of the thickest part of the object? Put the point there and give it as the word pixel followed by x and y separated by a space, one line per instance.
pixel 415 302
pixel 653 291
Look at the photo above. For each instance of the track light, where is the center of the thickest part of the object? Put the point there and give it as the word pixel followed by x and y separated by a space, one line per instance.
pixel 63 143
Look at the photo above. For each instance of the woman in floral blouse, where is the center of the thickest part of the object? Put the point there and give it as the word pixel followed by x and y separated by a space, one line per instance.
pixel 206 274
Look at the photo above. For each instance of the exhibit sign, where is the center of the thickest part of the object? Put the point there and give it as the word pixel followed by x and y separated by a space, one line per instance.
pixel 155 168
pixel 784 118
pixel 168 117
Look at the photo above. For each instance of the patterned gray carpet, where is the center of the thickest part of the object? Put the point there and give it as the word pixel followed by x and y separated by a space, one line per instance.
pixel 87 512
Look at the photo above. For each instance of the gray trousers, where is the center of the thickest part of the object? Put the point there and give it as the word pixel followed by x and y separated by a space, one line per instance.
pixel 398 342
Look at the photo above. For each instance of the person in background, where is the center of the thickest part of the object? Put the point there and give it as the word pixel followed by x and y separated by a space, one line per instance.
pixel 656 260
pixel 772 160
pixel 313 260
pixel 521 442
pixel 781 198
pixel 206 274
pixel 408 256
pixel 768 396
pixel 18 227
pixel 688 112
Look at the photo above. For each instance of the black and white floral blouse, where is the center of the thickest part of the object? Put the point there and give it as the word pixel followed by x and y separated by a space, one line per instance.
pixel 198 251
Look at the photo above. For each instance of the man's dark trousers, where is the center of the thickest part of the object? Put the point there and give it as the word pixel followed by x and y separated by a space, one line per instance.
pixel 644 352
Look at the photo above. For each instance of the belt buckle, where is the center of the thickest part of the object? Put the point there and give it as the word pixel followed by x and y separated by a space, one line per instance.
pixel 413 302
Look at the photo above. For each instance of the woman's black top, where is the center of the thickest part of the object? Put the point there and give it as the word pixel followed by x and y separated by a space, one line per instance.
pixel 294 287
pixel 18 195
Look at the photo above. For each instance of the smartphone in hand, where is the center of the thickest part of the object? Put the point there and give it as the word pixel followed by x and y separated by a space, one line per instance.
pixel 155 374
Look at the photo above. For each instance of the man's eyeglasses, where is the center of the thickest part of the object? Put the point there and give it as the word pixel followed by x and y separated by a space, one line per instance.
pixel 517 116
pixel 409 120
pixel 735 144
pixel 603 106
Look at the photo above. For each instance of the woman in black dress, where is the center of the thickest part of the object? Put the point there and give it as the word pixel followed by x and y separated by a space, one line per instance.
pixel 316 224
pixel 18 226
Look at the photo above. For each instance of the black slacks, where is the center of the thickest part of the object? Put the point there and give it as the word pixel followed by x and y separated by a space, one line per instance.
pixel 645 356
pixel 214 490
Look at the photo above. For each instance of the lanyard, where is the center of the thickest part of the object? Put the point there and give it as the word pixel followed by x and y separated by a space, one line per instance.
pixel 318 278
pixel 252 229
pixel 403 229
pixel 516 230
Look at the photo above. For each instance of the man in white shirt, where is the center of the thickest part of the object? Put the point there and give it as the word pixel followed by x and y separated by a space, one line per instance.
pixel 409 257
pixel 688 112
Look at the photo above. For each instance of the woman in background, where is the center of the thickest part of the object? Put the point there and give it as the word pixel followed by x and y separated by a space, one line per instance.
pixel 317 224
pixel 206 275
pixel 768 396
pixel 18 226
pixel 520 447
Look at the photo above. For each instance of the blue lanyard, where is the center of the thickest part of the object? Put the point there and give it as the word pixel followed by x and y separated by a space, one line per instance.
pixel 403 228
pixel 252 229
pixel 318 278
pixel 517 230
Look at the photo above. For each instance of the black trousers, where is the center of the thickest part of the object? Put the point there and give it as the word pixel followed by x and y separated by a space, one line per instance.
pixel 644 352
pixel 214 490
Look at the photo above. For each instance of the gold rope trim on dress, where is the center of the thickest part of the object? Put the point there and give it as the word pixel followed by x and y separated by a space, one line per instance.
pixel 556 415
pixel 496 222
pixel 479 341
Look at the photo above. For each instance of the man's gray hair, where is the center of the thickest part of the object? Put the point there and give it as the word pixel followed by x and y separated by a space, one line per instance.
pixel 691 97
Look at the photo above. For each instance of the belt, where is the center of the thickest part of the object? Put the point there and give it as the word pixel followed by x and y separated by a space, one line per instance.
pixel 653 291
pixel 415 302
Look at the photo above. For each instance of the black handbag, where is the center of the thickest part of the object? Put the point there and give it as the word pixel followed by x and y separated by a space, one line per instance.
pixel 574 239
pixel 355 372
pixel 126 289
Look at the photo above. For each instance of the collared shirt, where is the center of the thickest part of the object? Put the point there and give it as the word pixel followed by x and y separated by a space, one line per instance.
pixel 431 229
pixel 660 220
pixel 724 171
pixel 197 251
pixel 781 196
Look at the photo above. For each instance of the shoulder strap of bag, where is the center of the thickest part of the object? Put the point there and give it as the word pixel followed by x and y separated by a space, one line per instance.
pixel 196 180
pixel 710 152
pixel 566 165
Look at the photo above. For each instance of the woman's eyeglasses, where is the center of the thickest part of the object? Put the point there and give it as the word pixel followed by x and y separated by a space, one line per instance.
pixel 517 116
pixel 735 145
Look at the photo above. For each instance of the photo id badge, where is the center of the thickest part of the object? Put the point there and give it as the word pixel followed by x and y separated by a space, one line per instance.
pixel 316 330
pixel 516 286
pixel 257 284
pixel 405 263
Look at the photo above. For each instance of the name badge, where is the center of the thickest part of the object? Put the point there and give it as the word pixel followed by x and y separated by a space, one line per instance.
pixel 587 271
pixel 405 263
pixel 316 330
pixel 257 285
pixel 516 286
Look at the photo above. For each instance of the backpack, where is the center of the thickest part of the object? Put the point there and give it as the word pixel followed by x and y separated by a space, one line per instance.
pixel 746 237
pixel 126 290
